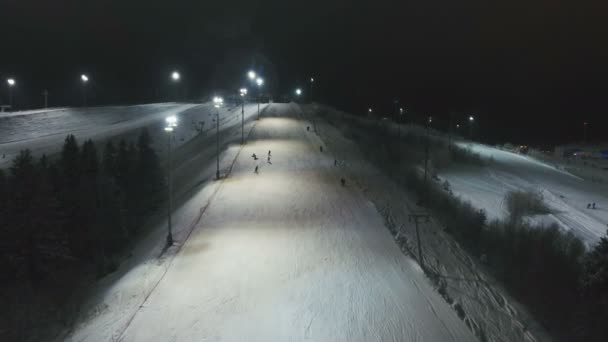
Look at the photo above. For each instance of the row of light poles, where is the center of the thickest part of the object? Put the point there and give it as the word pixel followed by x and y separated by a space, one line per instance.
pixel 430 119
pixel 171 121
pixel 84 78
pixel 11 83
pixel 253 77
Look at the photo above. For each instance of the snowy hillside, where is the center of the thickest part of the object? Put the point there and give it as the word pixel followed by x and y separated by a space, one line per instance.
pixel 283 254
pixel 44 131
pixel 566 194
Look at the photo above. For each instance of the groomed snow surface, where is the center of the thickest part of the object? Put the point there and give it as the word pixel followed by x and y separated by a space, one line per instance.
pixel 286 254
pixel 565 194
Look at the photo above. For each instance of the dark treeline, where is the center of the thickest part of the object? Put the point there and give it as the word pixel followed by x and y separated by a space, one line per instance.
pixel 67 220
pixel 546 268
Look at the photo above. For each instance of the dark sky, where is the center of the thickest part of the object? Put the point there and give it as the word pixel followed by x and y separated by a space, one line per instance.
pixel 531 71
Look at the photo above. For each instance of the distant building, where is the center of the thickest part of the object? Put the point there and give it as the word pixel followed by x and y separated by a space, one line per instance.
pixel 594 152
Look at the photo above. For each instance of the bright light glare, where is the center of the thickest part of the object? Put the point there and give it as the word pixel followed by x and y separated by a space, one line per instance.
pixel 251 75
pixel 457 125
pixel 84 78
pixel 369 110
pixel 471 118
pixel 168 129
pixel 401 110
pixel 218 101
pixel 243 91
pixel 11 82
pixel 430 119
pixel 298 91
pixel 312 79
pixel 175 76
pixel 259 81
pixel 171 121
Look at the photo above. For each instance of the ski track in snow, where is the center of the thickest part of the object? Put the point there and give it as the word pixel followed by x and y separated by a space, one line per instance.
pixel 480 301
pixel 287 255
pixel 567 195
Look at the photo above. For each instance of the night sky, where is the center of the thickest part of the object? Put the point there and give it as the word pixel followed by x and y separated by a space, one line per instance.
pixel 530 71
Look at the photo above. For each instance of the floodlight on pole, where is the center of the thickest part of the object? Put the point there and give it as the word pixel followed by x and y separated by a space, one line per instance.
pixel 11 83
pixel 217 103
pixel 259 81
pixel 175 76
pixel 251 74
pixel 243 94
pixel 171 121
pixel 471 122
pixel 298 91
pixel 170 129
pixel 85 79
pixel 312 81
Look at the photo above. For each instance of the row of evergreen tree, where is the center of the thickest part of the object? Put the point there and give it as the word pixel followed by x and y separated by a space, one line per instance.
pixel 80 209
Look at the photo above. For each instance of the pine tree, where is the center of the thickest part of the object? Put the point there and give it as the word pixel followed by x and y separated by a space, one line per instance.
pixel 150 177
pixel 595 266
pixel 88 199
pixel 69 161
pixel 108 163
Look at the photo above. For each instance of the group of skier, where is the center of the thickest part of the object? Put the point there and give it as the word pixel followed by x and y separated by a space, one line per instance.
pixel 256 170
pixel 257 167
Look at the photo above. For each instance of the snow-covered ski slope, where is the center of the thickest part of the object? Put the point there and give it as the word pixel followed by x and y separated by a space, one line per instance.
pixel 287 254
pixel 45 131
pixel 566 194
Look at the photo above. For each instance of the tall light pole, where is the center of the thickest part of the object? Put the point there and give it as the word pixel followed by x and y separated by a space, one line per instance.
pixel 85 79
pixel 175 77
pixel 585 124
pixel 312 82
pixel 11 83
pixel 45 93
pixel 400 121
pixel 243 94
pixel 217 103
pixel 170 129
pixel 471 123
pixel 259 81
pixel 426 154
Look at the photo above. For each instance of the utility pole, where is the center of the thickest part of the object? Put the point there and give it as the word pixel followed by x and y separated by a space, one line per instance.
pixel 416 217
pixel 45 93
pixel 450 131
pixel 426 158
